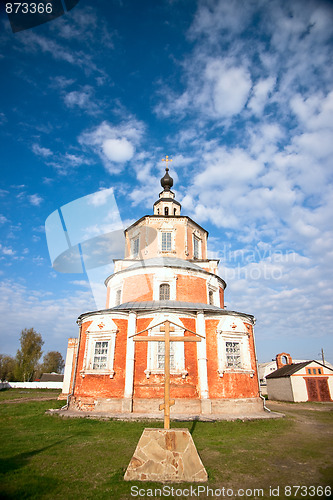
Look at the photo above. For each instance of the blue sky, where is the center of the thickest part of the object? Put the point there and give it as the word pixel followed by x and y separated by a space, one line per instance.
pixel 239 93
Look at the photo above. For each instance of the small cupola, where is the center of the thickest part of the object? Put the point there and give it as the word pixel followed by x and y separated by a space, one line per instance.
pixel 166 205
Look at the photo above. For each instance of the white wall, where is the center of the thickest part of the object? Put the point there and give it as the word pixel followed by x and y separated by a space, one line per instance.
pixel 31 385
pixel 279 389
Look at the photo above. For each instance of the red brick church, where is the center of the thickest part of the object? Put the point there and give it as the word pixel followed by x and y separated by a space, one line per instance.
pixel 165 275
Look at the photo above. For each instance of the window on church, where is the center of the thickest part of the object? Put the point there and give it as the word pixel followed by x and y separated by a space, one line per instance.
pixel 164 291
pixel 211 297
pixel 233 354
pixel 166 242
pixel 118 297
pixel 174 211
pixel 166 211
pixel 161 353
pixel 100 355
pixel 135 247
pixel 196 244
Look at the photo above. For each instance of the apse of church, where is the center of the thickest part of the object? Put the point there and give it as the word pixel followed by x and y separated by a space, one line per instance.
pixel 165 275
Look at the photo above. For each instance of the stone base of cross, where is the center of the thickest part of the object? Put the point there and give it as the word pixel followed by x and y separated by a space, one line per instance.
pixel 166 338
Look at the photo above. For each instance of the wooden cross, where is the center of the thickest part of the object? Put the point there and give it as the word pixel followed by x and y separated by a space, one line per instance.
pixel 166 159
pixel 167 339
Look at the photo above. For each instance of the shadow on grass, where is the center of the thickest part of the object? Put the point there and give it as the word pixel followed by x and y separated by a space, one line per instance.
pixel 193 426
pixel 33 487
pixel 18 461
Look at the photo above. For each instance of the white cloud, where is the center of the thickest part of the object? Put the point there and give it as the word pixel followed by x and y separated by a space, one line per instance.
pixel 7 250
pixel 260 95
pixel 101 197
pixel 114 144
pixel 118 150
pixel 229 87
pixel 83 99
pixel 35 199
pixel 40 151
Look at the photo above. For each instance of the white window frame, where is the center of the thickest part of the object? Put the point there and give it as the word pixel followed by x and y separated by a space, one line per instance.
pixel 169 287
pixel 171 241
pixel 179 354
pixel 98 356
pixel 165 279
pixel 117 297
pixel 242 339
pixel 196 239
pixel 88 362
pixel 135 246
pixel 212 289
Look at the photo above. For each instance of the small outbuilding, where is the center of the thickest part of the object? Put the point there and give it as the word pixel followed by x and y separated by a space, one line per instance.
pixel 297 382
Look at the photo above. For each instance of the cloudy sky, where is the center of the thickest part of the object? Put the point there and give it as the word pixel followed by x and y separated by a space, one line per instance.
pixel 238 92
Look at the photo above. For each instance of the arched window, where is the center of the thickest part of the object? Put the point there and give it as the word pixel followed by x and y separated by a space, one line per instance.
pixel 164 291
pixel 166 211
pixel 174 211
pixel 211 298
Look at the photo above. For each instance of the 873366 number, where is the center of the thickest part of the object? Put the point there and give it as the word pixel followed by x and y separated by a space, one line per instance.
pixel 25 8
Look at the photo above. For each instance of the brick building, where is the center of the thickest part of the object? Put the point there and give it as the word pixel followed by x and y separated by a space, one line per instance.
pixel 165 275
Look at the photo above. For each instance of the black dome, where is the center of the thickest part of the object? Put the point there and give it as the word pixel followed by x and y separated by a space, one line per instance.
pixel 166 181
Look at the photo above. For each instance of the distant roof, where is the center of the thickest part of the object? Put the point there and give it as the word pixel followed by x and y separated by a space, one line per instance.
pixel 51 377
pixel 287 370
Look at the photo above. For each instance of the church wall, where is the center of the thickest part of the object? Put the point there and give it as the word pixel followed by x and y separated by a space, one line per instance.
pixel 191 363
pixel 69 366
pixel 232 384
pixel 138 288
pixel 107 302
pixel 221 294
pixel 191 289
pixel 98 385
pixel 153 387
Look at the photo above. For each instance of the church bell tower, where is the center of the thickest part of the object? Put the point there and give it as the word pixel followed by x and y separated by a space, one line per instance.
pixel 166 204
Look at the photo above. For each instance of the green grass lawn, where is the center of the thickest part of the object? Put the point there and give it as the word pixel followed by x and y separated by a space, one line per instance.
pixel 44 456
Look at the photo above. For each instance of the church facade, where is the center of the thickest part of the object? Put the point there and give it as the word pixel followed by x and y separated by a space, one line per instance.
pixel 165 275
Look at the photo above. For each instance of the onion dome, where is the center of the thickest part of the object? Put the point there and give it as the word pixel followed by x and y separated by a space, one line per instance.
pixel 166 181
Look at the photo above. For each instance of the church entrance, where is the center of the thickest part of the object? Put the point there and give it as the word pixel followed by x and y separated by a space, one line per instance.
pixel 318 389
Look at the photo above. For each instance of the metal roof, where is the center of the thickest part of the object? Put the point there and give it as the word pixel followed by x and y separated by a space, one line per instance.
pixel 166 304
pixel 287 370
pixel 162 305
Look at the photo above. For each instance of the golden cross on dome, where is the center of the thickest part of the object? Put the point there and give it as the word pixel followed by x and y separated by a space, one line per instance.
pixel 166 159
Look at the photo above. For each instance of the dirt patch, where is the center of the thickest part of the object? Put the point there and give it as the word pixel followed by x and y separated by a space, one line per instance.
pixel 26 400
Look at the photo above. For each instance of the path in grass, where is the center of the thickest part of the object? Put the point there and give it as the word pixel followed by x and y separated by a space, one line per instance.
pixel 43 456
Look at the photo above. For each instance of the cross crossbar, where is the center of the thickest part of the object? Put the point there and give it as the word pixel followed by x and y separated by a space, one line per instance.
pixel 161 338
